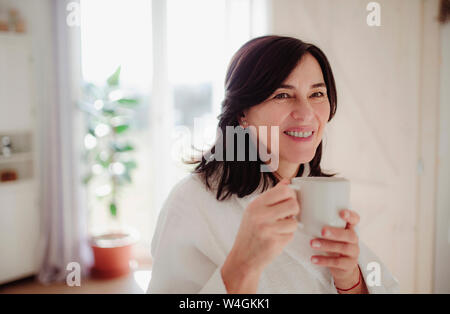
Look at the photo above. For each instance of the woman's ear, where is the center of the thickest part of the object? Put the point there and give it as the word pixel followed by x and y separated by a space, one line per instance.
pixel 243 119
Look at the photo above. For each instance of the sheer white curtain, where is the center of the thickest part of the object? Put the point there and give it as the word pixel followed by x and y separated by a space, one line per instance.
pixel 64 234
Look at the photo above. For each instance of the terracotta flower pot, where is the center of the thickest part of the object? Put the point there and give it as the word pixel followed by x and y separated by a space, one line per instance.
pixel 112 254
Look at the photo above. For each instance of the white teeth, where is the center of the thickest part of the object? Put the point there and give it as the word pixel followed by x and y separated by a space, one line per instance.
pixel 300 134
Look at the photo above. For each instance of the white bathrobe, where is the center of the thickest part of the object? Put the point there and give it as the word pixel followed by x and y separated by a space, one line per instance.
pixel 195 233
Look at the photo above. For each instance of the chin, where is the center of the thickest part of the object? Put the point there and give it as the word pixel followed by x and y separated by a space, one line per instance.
pixel 301 157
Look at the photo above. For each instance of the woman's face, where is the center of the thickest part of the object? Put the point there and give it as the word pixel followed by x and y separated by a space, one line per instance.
pixel 300 108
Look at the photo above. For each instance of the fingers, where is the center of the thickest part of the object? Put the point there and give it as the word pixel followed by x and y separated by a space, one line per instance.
pixel 340 234
pixel 347 249
pixel 284 209
pixel 338 262
pixel 278 193
pixel 285 226
pixel 351 217
pixel 278 202
pixel 342 244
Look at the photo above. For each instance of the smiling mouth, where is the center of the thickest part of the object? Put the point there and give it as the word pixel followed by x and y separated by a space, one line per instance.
pixel 300 134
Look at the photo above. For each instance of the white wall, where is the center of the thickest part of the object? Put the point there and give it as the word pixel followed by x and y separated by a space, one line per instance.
pixel 442 261
pixel 38 17
pixel 387 104
pixel 54 99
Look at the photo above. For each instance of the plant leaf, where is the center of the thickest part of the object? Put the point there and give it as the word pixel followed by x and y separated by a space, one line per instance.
pixel 104 163
pixel 130 165
pixel 109 110
pixel 113 209
pixel 127 177
pixel 113 80
pixel 120 148
pixel 121 128
pixel 129 102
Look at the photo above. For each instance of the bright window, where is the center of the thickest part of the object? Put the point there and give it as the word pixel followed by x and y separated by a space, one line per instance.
pixel 113 33
pixel 201 36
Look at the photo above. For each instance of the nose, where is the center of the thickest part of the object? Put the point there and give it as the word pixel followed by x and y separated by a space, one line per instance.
pixel 303 112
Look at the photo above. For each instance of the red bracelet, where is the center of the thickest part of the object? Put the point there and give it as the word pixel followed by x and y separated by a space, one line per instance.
pixel 359 280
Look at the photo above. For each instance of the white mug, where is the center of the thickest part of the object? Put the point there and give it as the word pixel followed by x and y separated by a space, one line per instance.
pixel 321 199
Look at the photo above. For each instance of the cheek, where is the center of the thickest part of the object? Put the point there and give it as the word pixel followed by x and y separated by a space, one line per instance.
pixel 266 117
pixel 323 112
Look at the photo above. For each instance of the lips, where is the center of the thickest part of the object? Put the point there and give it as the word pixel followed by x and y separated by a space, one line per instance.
pixel 300 129
pixel 300 134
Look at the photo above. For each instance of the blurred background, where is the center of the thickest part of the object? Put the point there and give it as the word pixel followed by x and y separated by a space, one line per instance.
pixel 100 100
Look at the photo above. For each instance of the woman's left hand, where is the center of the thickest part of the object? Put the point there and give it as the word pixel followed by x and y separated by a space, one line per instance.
pixel 342 244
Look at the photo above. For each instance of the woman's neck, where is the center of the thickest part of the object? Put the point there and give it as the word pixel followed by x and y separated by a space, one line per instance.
pixel 286 170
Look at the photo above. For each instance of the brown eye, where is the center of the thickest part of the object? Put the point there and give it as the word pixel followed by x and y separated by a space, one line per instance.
pixel 282 95
pixel 317 94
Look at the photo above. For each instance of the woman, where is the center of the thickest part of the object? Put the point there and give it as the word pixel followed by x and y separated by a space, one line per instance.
pixel 230 227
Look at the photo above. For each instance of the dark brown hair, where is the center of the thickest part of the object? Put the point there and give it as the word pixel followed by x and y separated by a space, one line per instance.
pixel 444 11
pixel 256 70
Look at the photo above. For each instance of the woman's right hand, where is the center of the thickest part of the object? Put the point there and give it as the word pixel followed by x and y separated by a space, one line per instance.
pixel 267 226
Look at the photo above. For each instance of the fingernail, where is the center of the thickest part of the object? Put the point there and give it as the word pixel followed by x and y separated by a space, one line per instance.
pixel 315 243
pixel 346 214
pixel 326 233
pixel 315 260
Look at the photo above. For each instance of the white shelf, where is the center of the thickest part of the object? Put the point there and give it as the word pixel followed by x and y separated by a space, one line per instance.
pixel 19 131
pixel 10 34
pixel 16 93
pixel 16 185
pixel 16 157
pixel 14 39
pixel 19 229
pixel 19 208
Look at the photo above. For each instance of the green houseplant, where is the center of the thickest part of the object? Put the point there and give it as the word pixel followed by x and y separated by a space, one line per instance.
pixel 109 115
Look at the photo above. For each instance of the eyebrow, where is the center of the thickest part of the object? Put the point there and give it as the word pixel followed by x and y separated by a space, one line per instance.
pixel 312 86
